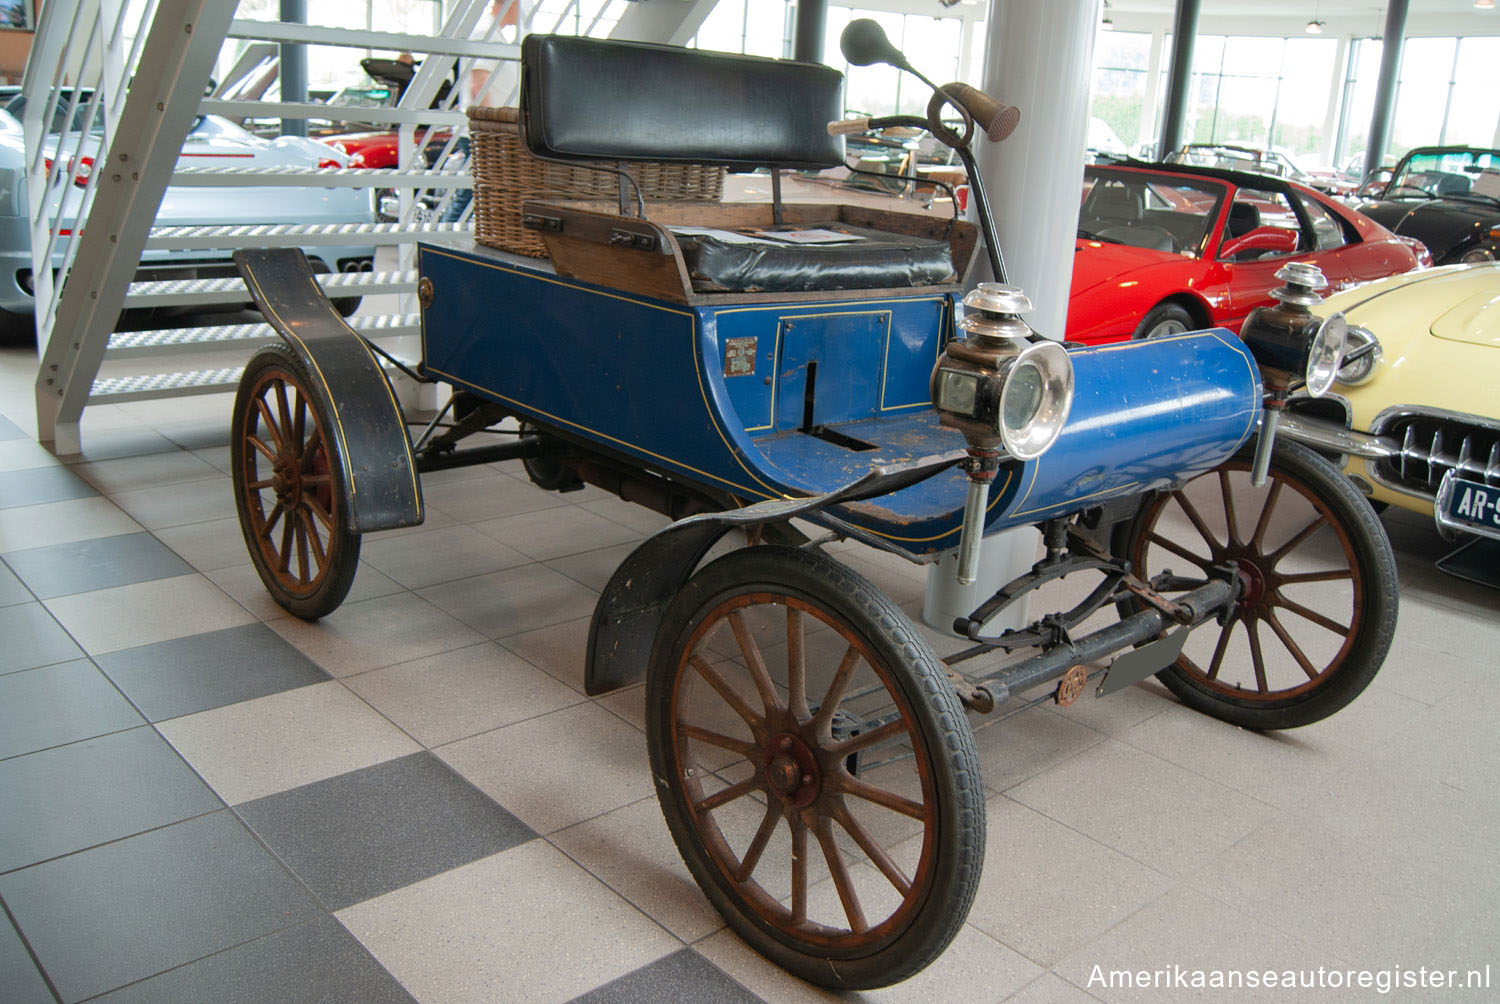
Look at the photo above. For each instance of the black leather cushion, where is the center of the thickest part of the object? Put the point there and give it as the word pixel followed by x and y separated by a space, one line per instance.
pixel 595 99
pixel 1243 218
pixel 879 260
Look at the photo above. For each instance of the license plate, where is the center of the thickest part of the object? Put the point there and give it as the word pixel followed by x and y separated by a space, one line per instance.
pixel 1469 505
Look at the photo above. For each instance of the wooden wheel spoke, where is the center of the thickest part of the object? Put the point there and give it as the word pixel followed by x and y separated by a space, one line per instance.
pixel 276 513
pixel 284 411
pixel 299 420
pixel 1322 620
pixel 316 508
pixel 320 554
pixel 822 724
pixel 799 869
pixel 1291 646
pixel 270 421
pixel 723 689
pixel 873 850
pixel 262 449
pixel 316 480
pixel 288 529
pixel 718 739
pixel 754 662
pixel 758 845
pixel 726 795
pixel 300 535
pixel 1302 535
pixel 863 741
pixel 1220 649
pixel 1256 658
pixel 256 486
pixel 1332 575
pixel 796 666
pixel 314 441
pixel 1231 519
pixel 1179 550
pixel 842 881
pixel 1261 525
pixel 1191 512
pixel 851 785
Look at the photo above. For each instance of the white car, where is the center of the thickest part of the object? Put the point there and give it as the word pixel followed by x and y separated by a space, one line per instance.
pixel 211 142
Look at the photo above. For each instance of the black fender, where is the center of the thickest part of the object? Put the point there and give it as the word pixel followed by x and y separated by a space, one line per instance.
pixel 380 481
pixel 630 610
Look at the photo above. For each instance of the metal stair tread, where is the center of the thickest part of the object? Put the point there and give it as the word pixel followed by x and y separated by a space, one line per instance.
pixel 227 289
pixel 126 344
pixel 326 177
pixel 196 238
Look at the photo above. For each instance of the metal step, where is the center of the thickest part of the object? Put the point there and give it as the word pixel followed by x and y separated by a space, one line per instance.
pixel 237 110
pixel 152 386
pixel 320 177
pixel 359 38
pixel 204 292
pixel 224 337
pixel 300 235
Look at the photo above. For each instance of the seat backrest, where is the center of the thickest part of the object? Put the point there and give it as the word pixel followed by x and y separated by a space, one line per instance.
pixel 597 99
pixel 1116 203
pixel 1243 218
pixel 1453 184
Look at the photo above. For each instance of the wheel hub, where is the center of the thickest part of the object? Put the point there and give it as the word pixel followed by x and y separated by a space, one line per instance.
pixel 791 771
pixel 1255 584
pixel 286 481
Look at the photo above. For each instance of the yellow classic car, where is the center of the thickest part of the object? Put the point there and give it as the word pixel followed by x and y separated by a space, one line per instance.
pixel 1420 396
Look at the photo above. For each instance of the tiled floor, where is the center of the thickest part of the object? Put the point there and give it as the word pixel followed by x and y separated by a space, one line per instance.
pixel 202 800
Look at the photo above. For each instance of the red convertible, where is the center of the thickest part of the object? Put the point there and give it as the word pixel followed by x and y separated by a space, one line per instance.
pixel 1163 249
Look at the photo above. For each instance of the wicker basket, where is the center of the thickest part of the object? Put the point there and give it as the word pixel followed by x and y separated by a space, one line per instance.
pixel 507 175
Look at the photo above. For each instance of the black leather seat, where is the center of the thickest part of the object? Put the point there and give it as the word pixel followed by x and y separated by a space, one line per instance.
pixel 602 100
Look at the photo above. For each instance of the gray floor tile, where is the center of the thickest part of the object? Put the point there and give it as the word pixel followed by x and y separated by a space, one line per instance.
pixel 137 907
pixel 173 505
pixel 9 429
pixel 59 704
pixel 32 638
pixel 19 977
pixel 150 471
pixel 684 977
pixel 11 589
pixel 440 555
pixel 314 963
pixel 202 671
pixel 362 834
pixel 37 485
pixel 23 454
pixel 84 565
pixel 70 797
pixel 377 632
pixel 515 600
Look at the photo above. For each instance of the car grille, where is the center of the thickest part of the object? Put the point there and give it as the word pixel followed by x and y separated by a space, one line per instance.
pixel 1434 444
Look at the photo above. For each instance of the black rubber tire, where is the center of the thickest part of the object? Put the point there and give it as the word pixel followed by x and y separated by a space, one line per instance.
pixel 928 715
pixel 1373 595
pixel 312 584
pixel 17 329
pixel 347 305
pixel 548 473
pixel 1164 313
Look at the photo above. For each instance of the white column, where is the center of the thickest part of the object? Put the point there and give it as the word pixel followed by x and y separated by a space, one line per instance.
pixel 1146 133
pixel 1039 58
pixel 1335 96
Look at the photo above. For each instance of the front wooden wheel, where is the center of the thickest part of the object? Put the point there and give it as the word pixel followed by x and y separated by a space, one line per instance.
pixel 287 486
pixel 815 767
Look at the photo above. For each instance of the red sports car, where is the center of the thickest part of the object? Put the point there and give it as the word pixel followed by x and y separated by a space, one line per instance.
pixel 1167 248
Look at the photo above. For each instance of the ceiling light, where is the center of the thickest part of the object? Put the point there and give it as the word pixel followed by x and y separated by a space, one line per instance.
pixel 1484 4
pixel 1316 27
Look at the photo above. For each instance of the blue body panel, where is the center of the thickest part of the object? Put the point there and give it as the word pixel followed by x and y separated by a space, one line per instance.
pixel 717 396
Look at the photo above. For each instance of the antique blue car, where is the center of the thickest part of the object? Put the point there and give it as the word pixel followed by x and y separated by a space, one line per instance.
pixel 776 377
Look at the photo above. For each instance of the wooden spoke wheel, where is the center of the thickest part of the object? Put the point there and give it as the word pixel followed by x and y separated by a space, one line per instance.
pixel 287 486
pixel 1318 608
pixel 815 767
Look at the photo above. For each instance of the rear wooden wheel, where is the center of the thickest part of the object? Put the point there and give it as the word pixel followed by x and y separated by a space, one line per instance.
pixel 287 486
